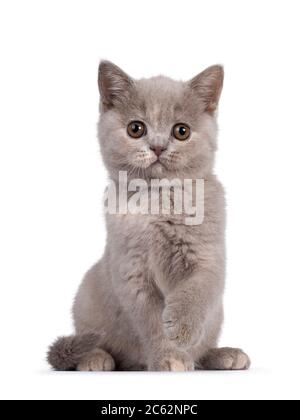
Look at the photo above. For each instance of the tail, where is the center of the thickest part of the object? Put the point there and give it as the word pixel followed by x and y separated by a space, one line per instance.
pixel 66 352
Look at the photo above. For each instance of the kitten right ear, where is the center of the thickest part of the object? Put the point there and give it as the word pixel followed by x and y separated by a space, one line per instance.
pixel 114 85
pixel 208 85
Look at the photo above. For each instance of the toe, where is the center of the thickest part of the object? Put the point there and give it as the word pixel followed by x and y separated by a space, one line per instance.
pixel 225 359
pixel 98 361
pixel 176 366
pixel 242 362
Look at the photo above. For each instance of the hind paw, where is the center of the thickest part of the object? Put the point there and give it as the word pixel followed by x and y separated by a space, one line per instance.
pixel 97 361
pixel 225 359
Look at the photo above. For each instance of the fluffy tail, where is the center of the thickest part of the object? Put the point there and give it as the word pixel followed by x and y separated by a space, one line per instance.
pixel 66 352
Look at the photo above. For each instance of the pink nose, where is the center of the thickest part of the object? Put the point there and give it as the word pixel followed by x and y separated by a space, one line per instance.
pixel 158 150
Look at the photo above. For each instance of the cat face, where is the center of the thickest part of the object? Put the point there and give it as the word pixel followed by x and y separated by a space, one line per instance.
pixel 158 127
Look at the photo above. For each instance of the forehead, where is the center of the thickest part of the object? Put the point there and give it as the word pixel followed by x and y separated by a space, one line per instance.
pixel 160 99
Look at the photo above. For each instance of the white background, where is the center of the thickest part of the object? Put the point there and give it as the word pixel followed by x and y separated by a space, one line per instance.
pixel 52 179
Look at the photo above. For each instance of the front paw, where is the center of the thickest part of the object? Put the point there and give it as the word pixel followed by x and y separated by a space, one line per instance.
pixel 181 324
pixel 171 360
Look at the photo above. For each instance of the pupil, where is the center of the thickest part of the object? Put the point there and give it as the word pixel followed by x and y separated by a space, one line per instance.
pixel 182 131
pixel 135 128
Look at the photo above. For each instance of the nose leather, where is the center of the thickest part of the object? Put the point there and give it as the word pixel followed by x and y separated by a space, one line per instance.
pixel 158 150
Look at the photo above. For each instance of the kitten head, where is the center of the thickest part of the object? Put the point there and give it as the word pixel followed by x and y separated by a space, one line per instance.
pixel 158 127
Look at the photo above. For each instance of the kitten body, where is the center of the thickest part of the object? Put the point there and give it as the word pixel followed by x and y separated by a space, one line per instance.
pixel 155 299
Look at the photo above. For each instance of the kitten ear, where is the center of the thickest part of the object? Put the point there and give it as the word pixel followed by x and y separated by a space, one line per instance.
pixel 114 84
pixel 208 85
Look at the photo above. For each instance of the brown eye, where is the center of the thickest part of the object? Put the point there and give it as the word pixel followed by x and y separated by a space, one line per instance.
pixel 136 129
pixel 181 132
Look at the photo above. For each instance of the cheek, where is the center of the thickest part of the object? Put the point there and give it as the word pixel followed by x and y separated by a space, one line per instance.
pixel 136 147
pixel 134 152
pixel 121 143
pixel 142 157
pixel 201 153
pixel 183 152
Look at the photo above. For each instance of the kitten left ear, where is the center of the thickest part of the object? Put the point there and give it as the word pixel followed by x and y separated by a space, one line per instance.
pixel 208 85
pixel 114 84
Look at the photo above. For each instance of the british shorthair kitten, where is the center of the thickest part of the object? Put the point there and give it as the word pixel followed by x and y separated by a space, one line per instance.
pixel 155 299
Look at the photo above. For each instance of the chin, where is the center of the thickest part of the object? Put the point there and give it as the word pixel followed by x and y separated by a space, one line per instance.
pixel 157 170
pixel 160 171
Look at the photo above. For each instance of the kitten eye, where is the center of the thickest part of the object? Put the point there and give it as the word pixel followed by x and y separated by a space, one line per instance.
pixel 181 132
pixel 136 129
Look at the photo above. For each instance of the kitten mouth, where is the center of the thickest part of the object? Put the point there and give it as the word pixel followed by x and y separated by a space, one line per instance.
pixel 157 162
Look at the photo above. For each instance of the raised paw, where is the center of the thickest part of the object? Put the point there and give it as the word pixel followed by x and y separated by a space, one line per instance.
pixel 171 361
pixel 181 324
pixel 225 359
pixel 96 361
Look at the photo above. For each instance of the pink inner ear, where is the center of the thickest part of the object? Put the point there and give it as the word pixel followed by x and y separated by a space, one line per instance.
pixel 208 85
pixel 113 83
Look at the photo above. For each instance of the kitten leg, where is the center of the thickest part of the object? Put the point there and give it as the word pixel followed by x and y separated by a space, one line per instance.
pixel 144 305
pixel 225 359
pixel 188 307
pixel 97 360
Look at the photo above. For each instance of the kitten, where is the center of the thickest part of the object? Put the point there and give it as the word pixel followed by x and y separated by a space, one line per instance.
pixel 154 301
